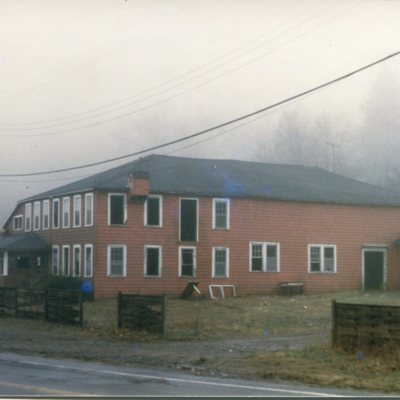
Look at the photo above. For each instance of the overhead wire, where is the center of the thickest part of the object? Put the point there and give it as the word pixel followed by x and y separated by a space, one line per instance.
pixel 135 111
pixel 201 66
pixel 213 128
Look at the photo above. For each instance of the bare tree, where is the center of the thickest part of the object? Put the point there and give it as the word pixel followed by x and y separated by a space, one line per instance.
pixel 320 143
pixel 379 137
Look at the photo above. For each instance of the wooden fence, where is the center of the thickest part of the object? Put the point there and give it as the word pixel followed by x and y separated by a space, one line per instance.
pixel 30 303
pixel 362 326
pixel 8 301
pixel 142 312
pixel 63 306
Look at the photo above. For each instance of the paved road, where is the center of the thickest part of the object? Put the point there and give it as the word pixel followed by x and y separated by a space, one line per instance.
pixel 38 376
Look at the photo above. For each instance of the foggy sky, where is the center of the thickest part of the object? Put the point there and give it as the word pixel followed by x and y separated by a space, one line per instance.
pixel 83 81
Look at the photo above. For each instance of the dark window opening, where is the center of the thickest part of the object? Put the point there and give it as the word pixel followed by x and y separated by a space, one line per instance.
pixel 66 261
pixel 117 211
pixel 56 217
pixel 23 262
pixel 152 261
pixel 188 220
pixel 153 211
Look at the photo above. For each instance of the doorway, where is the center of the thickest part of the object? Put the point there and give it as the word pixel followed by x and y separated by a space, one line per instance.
pixel 374 269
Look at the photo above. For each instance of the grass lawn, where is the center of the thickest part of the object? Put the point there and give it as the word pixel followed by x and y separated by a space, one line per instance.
pixel 274 316
pixel 256 315
pixel 324 366
pixel 242 316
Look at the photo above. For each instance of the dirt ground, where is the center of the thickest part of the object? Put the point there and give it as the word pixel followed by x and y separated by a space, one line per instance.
pixel 222 357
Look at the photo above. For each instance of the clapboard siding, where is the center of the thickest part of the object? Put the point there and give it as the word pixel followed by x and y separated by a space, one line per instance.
pixel 294 225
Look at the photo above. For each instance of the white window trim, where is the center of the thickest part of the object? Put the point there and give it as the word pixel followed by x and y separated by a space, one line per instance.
pixel 264 256
pixel 52 213
pixel 63 265
pixel 48 214
pixel 68 200
pixel 109 247
pixel 194 261
pixel 322 247
pixel 76 246
pixel 36 206
pixel 79 224
pixel 55 247
pixel 227 262
pixel 21 217
pixel 153 196
pixel 88 246
pixel 228 213
pixel 28 217
pixel 87 196
pixel 125 208
pixel 197 216
pixel 152 246
pixel 5 264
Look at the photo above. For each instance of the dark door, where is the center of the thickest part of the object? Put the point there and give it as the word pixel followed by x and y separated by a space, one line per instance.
pixel 373 270
pixel 188 220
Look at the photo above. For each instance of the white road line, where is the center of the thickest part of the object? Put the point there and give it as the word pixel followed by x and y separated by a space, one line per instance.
pixel 180 380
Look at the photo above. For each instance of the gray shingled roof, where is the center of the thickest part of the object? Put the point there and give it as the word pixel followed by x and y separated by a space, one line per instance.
pixel 27 242
pixel 232 178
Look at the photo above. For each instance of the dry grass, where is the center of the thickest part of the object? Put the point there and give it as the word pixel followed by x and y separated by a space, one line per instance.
pixel 267 315
pixel 253 316
pixel 327 367
pixel 240 317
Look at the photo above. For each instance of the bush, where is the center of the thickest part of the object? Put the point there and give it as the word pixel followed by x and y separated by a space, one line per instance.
pixel 62 283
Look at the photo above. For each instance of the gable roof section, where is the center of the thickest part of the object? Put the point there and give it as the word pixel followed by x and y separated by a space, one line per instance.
pixel 232 178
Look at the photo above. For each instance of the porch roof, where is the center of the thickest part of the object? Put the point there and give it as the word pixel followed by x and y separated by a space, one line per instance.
pixel 24 242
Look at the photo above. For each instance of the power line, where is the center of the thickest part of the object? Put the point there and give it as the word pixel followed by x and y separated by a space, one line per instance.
pixel 203 132
pixel 201 66
pixel 135 111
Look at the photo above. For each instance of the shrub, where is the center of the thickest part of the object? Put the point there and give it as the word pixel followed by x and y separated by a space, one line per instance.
pixel 62 282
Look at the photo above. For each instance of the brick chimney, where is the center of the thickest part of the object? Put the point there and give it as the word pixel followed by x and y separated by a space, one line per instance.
pixel 138 185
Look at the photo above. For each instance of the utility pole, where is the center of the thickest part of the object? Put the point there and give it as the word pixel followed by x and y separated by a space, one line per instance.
pixel 333 145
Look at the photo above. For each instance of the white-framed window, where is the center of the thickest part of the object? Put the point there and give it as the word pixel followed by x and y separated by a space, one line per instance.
pixel 322 258
pixel 46 214
pixel 117 209
pixel 88 209
pixel 264 257
pixel 65 261
pixel 153 211
pixel 66 212
pixel 76 260
pixel 28 217
pixel 18 223
pixel 36 215
pixel 187 261
pixel 188 220
pixel 116 265
pixel 221 213
pixel 56 214
pixel 77 211
pixel 152 260
pixel 220 262
pixel 3 263
pixel 55 260
pixel 88 273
